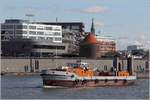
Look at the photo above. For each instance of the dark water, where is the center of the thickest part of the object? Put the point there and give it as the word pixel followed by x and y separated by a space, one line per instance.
pixel 30 87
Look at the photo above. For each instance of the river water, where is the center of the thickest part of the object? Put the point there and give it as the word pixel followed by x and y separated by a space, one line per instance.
pixel 30 87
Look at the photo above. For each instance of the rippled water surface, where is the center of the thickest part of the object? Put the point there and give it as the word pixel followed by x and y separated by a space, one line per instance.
pixel 30 87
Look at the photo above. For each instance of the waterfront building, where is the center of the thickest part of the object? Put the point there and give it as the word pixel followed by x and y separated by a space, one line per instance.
pixel 69 39
pixel 107 45
pixel 77 31
pixel 96 47
pixel 138 51
pixel 88 47
pixel 23 29
pixel 135 47
pixel 23 38
pixel 76 27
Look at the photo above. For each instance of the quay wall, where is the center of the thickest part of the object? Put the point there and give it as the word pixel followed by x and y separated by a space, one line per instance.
pixel 18 64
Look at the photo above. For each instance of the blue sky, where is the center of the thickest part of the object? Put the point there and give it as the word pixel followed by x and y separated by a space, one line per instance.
pixel 128 21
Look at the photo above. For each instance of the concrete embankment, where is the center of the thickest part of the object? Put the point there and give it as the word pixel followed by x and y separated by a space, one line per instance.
pixel 36 65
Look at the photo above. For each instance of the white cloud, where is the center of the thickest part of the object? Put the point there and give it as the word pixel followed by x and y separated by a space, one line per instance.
pixel 95 9
pixel 90 10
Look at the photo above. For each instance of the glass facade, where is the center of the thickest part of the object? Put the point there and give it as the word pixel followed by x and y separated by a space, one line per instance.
pixel 38 31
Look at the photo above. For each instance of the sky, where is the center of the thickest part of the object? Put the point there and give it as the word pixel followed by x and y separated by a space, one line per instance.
pixel 127 21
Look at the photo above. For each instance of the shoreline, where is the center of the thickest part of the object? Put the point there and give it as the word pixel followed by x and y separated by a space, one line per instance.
pixel 139 75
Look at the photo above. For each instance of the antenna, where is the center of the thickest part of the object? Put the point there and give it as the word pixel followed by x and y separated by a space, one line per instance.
pixel 56 19
pixel 29 16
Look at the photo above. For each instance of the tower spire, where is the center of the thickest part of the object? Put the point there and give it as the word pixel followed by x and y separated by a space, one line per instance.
pixel 92 27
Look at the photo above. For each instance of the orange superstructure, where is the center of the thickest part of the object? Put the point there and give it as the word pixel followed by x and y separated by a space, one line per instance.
pixel 81 72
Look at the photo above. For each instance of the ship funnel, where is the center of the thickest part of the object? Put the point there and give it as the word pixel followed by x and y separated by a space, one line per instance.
pixel 130 65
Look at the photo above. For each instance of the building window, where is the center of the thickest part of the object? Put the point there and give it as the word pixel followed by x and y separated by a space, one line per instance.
pixel 32 37
pixel 24 32
pixel 32 32
pixel 56 29
pixel 57 39
pixel 2 37
pixel 32 27
pixel 49 38
pixel 41 38
pixel 40 33
pixel 49 47
pixel 48 28
pixel 57 33
pixel 18 32
pixel 49 34
pixel 2 32
pixel 40 28
pixel 24 26
pixel 75 27
pixel 6 26
pixel 7 32
pixel 19 26
pixel 24 37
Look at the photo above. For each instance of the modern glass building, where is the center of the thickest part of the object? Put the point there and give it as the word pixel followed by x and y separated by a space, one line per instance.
pixel 24 38
pixel 18 29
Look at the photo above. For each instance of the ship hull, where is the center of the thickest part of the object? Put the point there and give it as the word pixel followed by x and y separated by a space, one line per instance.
pixel 68 79
pixel 87 83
